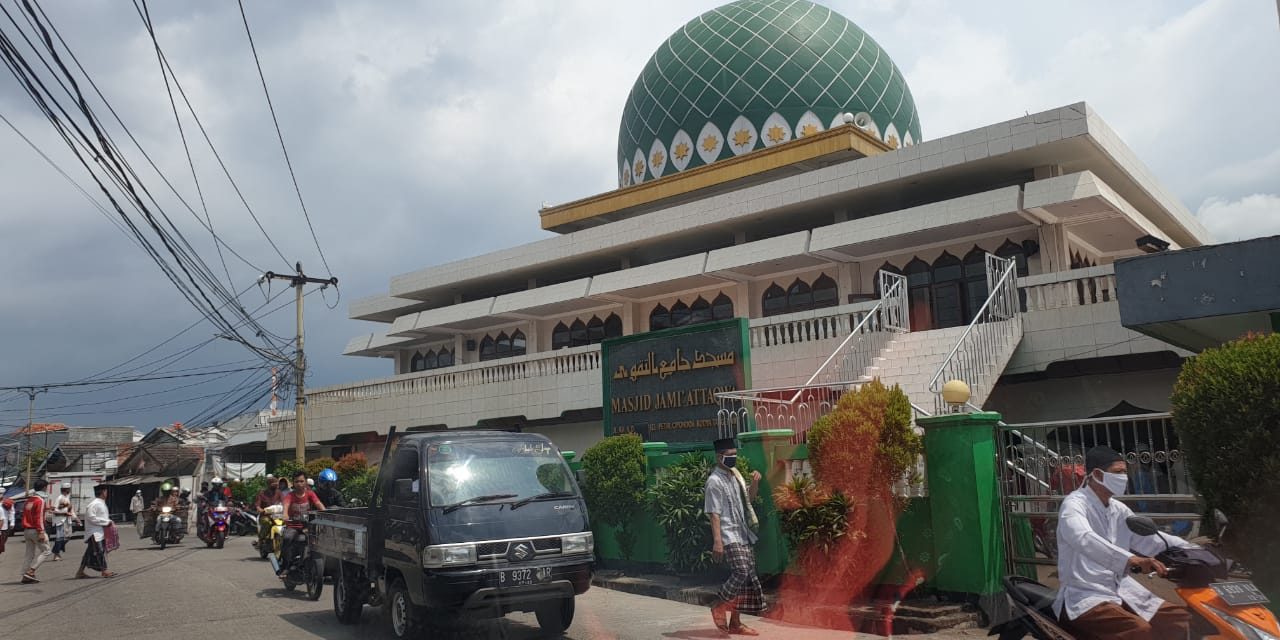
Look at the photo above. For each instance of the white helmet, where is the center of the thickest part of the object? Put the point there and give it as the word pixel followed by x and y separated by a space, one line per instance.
pixel 216 480
pixel 310 482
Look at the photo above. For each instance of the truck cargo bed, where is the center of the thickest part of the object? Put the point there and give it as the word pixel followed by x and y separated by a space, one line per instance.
pixel 342 533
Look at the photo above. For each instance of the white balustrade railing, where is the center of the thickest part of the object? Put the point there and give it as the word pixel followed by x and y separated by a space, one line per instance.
pixel 991 335
pixel 830 323
pixel 468 375
pixel 797 407
pixel 1090 285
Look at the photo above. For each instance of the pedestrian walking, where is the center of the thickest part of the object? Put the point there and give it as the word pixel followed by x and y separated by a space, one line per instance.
pixel 33 532
pixel 98 529
pixel 64 514
pixel 728 503
pixel 137 505
pixel 7 520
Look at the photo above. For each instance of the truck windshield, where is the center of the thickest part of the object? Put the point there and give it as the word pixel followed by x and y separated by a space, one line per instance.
pixel 459 472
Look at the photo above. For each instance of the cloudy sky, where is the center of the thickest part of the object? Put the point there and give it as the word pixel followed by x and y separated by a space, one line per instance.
pixel 426 132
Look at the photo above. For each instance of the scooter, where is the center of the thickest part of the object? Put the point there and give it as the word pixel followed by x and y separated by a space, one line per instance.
pixel 217 521
pixel 243 523
pixel 1227 608
pixel 270 531
pixel 169 529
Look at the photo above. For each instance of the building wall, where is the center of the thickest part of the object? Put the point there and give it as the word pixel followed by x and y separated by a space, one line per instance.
pixel 576 437
pixel 1076 333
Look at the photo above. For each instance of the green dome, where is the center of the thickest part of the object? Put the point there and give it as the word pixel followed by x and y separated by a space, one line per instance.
pixel 752 74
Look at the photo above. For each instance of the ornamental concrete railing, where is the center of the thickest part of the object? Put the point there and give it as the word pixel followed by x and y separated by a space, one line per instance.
pixel 1077 287
pixel 830 323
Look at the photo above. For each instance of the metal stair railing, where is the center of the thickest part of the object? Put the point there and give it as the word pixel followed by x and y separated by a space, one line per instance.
pixel 988 335
pixel 797 407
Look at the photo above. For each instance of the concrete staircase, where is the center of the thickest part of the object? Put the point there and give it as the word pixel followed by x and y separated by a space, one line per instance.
pixel 911 360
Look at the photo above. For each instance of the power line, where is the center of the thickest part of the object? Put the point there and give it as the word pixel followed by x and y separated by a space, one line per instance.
pixel 280 136
pixel 54 385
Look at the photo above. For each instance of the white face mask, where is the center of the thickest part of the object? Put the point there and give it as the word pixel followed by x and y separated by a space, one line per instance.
pixel 1116 483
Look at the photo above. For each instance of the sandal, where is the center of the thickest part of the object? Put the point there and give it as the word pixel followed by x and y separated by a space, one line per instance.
pixel 743 630
pixel 108 574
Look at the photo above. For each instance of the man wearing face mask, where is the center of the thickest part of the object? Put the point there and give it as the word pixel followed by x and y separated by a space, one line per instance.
pixel 1099 597
pixel 728 503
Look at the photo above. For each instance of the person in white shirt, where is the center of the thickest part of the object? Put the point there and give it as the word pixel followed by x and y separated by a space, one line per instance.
pixel 97 522
pixel 1098 597
pixel 8 517
pixel 137 505
pixel 64 514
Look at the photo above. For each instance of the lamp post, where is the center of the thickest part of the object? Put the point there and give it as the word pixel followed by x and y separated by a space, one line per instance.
pixel 955 393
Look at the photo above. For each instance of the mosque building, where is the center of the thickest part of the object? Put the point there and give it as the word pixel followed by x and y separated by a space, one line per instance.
pixel 782 223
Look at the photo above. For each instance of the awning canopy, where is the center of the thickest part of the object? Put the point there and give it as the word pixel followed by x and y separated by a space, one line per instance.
pixel 134 480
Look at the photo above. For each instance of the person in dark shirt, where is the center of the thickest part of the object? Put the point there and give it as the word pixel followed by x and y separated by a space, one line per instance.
pixel 327 489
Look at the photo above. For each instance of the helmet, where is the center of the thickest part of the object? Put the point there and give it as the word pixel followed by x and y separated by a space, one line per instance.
pixel 328 475
pixel 216 480
pixel 165 487
pixel 311 482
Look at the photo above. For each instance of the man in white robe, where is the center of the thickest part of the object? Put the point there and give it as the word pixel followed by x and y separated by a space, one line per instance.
pixel 1099 598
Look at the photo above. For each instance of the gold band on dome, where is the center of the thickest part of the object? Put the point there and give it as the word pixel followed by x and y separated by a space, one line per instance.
pixel 842 139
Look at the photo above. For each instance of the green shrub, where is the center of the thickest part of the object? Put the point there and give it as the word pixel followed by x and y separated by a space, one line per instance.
pixel 867 443
pixel 1226 411
pixel 676 501
pixel 351 464
pixel 247 490
pixel 613 485
pixel 314 467
pixel 287 469
pixel 357 488
pixel 810 515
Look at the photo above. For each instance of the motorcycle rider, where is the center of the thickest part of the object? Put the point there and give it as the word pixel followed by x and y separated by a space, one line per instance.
pixel 1098 598
pixel 271 494
pixel 297 503
pixel 170 498
pixel 211 495
pixel 327 489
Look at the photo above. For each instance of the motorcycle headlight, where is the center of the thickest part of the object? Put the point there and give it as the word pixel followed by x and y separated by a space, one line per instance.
pixel 448 555
pixel 1248 631
pixel 166 509
pixel 577 544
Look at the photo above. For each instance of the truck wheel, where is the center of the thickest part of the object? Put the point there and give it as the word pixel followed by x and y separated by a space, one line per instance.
pixel 348 603
pixel 555 617
pixel 404 616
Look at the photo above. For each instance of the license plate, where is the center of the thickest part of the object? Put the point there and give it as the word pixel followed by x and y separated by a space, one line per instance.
pixel 1240 593
pixel 524 577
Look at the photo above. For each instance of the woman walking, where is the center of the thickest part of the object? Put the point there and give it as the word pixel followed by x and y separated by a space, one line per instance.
pixel 97 528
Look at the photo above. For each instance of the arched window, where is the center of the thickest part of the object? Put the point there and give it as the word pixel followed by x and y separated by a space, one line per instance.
pixel 559 336
pixel 680 314
pixel 416 362
pixel 701 311
pixel 799 296
pixel 825 293
pixel 432 361
pixel 975 281
pixel 504 345
pixel 659 318
pixel 948 302
pixel 613 326
pixel 446 357
pixel 919 294
pixel 487 348
pixel 595 330
pixel 722 307
pixel 578 334
pixel 517 343
pixel 774 300
pixel 1010 249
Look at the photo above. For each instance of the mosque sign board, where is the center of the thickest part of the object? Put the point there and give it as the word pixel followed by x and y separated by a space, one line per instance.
pixel 662 385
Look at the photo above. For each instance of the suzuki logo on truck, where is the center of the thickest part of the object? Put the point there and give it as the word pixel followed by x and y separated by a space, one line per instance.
pixel 521 551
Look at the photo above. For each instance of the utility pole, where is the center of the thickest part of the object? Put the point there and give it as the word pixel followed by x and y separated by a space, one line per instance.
pixel 31 392
pixel 298 281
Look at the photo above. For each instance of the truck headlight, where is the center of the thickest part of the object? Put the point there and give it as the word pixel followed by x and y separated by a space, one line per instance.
pixel 578 543
pixel 448 555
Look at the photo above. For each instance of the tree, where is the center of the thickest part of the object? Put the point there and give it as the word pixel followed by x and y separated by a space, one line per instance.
pixel 613 485
pixel 1226 412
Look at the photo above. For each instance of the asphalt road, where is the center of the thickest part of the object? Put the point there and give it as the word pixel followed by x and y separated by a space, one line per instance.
pixel 188 591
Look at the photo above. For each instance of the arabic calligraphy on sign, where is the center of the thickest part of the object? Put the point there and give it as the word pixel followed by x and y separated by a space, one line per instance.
pixel 666 368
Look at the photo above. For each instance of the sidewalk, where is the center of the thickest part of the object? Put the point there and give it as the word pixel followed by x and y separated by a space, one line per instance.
pixel 925 618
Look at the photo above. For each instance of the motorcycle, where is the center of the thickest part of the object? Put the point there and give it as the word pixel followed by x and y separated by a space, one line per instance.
pixel 1225 605
pixel 243 523
pixel 168 529
pixel 302 565
pixel 270 531
pixel 216 523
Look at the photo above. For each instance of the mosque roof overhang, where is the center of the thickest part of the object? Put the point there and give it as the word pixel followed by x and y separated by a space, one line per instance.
pixel 1071 139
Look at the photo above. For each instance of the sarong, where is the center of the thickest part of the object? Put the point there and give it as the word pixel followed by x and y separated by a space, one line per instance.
pixel 742 591
pixel 94 556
